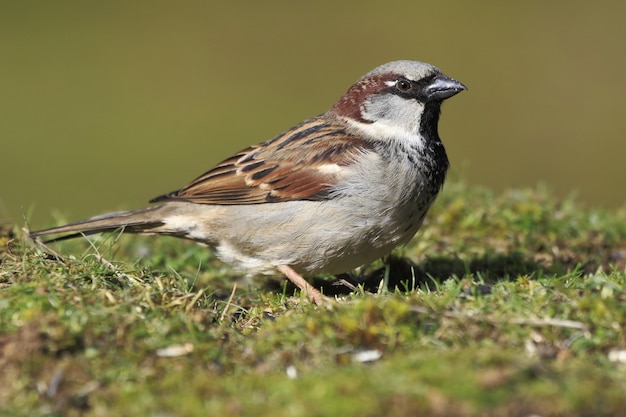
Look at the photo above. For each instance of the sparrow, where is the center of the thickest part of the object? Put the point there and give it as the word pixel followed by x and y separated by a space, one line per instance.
pixel 330 194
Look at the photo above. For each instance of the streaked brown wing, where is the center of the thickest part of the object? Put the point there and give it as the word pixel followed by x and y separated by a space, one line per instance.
pixel 296 165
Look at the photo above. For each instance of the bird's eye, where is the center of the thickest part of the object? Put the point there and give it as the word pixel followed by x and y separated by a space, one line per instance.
pixel 403 85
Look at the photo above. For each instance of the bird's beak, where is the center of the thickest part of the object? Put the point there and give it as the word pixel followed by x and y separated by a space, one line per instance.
pixel 443 87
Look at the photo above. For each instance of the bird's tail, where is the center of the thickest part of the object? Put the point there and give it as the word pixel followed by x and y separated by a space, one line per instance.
pixel 136 221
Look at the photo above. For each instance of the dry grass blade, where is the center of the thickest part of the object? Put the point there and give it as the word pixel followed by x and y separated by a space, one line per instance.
pixel 230 299
pixel 534 322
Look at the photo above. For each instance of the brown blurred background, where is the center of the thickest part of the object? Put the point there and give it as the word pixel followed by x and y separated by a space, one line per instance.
pixel 105 105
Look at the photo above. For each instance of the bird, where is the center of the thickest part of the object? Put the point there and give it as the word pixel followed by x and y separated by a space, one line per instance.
pixel 329 195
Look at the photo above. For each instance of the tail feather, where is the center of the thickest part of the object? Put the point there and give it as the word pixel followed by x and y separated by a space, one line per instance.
pixel 136 221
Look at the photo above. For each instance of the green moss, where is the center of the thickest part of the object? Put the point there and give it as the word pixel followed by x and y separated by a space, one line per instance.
pixel 504 305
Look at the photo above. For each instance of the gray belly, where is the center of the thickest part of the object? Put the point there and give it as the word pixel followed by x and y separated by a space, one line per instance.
pixel 314 236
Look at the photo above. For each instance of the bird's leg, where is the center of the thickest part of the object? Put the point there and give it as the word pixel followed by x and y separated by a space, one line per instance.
pixel 312 294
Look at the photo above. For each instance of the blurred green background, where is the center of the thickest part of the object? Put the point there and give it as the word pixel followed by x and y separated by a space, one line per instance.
pixel 105 105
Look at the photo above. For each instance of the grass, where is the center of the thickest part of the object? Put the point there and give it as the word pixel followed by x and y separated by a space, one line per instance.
pixel 505 305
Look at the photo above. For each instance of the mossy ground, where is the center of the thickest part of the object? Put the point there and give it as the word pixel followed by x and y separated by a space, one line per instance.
pixel 503 305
